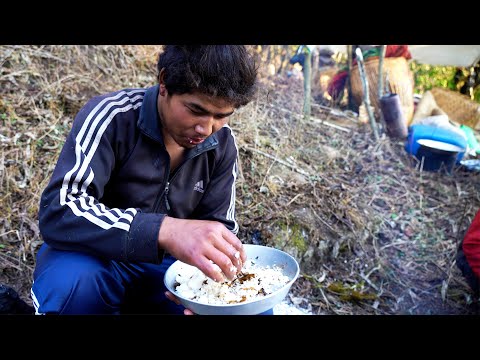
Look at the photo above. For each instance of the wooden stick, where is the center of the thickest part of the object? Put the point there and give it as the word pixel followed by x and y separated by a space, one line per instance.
pixel 335 112
pixel 295 168
pixel 307 86
pixel 366 95
pixel 383 50
pixel 380 71
pixel 349 83
pixel 323 122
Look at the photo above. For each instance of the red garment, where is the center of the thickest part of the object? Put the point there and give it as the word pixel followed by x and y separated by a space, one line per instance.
pixel 337 84
pixel 471 245
pixel 397 51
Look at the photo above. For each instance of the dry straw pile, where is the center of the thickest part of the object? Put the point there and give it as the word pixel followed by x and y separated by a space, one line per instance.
pixel 373 234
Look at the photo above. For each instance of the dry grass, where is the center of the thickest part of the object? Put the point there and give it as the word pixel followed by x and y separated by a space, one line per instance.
pixel 373 233
pixel 380 234
pixel 41 90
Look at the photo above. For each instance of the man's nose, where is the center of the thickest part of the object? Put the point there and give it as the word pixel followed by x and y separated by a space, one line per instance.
pixel 205 125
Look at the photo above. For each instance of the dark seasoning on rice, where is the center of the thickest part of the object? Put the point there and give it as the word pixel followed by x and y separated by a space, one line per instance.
pixel 252 283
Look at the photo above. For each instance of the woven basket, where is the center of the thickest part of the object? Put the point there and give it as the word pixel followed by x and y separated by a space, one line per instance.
pixel 459 108
pixel 400 80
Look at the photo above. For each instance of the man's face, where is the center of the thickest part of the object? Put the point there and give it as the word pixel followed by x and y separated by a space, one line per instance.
pixel 190 118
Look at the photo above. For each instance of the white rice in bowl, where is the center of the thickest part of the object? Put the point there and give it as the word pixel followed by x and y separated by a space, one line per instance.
pixel 252 283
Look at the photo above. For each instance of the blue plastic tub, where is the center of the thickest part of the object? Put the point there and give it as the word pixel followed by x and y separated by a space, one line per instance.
pixel 418 132
pixel 437 156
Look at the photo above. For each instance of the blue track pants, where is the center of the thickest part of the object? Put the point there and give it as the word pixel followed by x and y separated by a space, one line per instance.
pixel 67 282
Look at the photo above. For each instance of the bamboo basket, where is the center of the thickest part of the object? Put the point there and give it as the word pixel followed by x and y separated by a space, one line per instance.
pixel 400 81
pixel 459 108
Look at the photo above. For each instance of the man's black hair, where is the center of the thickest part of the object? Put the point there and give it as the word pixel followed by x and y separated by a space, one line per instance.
pixel 225 71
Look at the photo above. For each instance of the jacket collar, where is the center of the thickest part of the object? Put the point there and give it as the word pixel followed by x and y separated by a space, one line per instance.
pixel 149 122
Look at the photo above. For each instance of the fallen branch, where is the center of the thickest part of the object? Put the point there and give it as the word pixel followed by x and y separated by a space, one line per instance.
pixel 6 261
pixel 335 112
pixel 323 122
pixel 318 121
pixel 323 221
pixel 295 168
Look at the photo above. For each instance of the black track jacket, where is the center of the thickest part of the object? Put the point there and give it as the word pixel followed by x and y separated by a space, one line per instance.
pixel 112 186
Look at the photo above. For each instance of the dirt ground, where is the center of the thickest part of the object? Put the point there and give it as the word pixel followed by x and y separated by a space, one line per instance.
pixel 372 232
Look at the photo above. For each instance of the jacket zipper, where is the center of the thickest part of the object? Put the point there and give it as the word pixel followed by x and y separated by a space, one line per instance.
pixel 157 200
pixel 167 186
pixel 166 196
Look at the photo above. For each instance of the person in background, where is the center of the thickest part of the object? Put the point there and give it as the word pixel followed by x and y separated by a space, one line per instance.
pixel 145 177
pixel 339 81
pixel 468 256
pixel 325 57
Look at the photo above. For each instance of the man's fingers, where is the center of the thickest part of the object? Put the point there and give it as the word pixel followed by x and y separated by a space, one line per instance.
pixel 210 269
pixel 172 297
pixel 232 253
pixel 222 263
pixel 236 243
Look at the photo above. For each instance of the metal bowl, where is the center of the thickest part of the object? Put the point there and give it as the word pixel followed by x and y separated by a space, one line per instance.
pixel 264 256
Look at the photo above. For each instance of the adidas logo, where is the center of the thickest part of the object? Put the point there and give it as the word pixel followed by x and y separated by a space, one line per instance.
pixel 199 186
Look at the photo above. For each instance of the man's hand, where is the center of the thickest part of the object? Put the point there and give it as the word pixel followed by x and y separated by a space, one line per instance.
pixel 173 298
pixel 199 242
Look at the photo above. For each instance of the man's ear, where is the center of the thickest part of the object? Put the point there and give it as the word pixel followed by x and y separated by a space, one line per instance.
pixel 161 82
pixel 163 90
